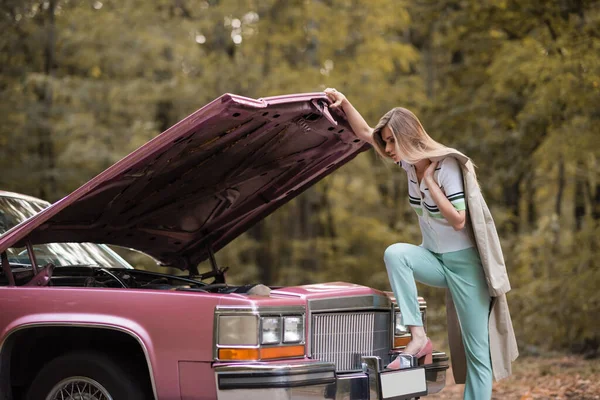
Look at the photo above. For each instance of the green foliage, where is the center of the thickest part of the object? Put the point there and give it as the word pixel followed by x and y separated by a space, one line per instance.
pixel 514 84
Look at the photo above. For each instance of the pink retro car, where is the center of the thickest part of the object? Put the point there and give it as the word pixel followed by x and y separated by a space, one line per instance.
pixel 78 322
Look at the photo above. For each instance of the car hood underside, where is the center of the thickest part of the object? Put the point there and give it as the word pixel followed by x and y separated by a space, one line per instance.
pixel 204 181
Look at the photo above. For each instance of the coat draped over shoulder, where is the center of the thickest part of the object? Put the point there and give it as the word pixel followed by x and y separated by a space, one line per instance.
pixel 503 344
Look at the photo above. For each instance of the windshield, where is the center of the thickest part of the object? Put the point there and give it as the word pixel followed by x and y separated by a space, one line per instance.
pixel 15 210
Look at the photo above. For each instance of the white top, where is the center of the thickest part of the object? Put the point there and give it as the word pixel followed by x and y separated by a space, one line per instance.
pixel 438 234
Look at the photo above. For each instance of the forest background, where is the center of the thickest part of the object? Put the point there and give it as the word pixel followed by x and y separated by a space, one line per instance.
pixel 515 84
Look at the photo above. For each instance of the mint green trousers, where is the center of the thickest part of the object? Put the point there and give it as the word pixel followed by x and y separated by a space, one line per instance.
pixel 461 272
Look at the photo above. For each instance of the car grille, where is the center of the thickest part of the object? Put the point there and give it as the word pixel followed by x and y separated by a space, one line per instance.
pixel 342 338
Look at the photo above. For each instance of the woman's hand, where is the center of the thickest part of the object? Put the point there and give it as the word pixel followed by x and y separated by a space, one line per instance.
pixel 455 218
pixel 359 126
pixel 337 98
pixel 428 175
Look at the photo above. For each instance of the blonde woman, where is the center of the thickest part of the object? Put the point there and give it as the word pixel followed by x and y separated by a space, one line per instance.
pixel 448 256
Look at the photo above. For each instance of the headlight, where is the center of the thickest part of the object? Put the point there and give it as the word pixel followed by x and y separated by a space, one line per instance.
pixel 270 330
pixel 259 335
pixel 293 329
pixel 399 329
pixel 238 330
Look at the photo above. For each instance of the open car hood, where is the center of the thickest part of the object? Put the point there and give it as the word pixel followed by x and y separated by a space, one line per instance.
pixel 202 182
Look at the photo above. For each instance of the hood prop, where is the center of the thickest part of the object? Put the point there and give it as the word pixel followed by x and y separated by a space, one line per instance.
pixel 217 272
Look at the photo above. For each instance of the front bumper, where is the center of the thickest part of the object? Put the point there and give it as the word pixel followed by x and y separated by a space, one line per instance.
pixel 318 380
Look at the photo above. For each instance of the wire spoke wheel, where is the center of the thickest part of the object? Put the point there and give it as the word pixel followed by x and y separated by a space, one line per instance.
pixel 78 388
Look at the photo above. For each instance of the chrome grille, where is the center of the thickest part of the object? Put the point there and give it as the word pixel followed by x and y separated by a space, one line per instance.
pixel 342 338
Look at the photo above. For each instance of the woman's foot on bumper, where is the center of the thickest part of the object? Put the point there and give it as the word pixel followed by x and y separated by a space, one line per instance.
pixel 423 354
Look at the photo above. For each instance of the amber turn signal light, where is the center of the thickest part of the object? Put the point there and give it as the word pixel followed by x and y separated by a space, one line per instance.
pixel 401 341
pixel 281 352
pixel 233 354
pixel 238 354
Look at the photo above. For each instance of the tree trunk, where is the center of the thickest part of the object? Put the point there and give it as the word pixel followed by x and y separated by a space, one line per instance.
pixel 512 196
pixel 580 193
pixel 310 229
pixel 596 203
pixel 561 186
pixel 330 229
pixel 557 209
pixel 47 188
pixel 429 68
pixel 531 217
pixel 397 192
pixel 264 258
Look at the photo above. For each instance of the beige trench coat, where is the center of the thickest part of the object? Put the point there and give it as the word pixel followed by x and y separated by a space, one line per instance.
pixel 503 344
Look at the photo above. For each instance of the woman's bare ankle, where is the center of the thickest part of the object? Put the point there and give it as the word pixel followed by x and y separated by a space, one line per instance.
pixel 419 339
pixel 418 333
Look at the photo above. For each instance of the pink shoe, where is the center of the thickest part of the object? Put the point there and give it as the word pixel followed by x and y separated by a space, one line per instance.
pixel 424 356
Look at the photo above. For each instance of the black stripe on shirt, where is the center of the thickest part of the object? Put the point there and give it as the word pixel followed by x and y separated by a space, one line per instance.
pixel 414 198
pixel 411 201
pixel 431 208
pixel 456 196
pixel 413 181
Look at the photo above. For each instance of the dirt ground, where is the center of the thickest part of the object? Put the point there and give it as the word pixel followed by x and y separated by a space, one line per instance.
pixel 554 377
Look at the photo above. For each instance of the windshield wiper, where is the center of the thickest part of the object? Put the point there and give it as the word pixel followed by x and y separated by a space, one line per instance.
pixel 19 265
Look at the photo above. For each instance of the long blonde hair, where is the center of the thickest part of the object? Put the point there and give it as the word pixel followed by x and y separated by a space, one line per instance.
pixel 412 141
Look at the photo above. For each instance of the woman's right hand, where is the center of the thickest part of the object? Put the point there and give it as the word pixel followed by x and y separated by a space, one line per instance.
pixel 358 124
pixel 337 98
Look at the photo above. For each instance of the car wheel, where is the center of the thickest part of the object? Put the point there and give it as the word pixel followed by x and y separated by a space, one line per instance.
pixel 84 376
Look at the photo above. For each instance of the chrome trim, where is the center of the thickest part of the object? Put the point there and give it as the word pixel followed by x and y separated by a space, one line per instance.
pixel 357 385
pixel 353 386
pixel 297 367
pixel 246 382
pixel 246 376
pixel 422 307
pixel 74 383
pixel 312 392
pixel 439 356
pixel 308 333
pixel 350 303
pixel 435 373
pixel 343 338
pixel 88 325
pixel 253 309
pixel 258 312
pixel 372 367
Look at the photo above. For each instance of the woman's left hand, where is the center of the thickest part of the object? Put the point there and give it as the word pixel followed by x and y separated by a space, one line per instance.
pixel 430 170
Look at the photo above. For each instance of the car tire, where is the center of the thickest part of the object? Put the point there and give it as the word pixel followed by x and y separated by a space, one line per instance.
pixel 96 370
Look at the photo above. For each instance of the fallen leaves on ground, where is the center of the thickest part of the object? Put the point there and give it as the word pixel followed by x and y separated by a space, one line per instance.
pixel 554 377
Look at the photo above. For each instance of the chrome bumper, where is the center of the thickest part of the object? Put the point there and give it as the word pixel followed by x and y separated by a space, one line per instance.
pixel 313 380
